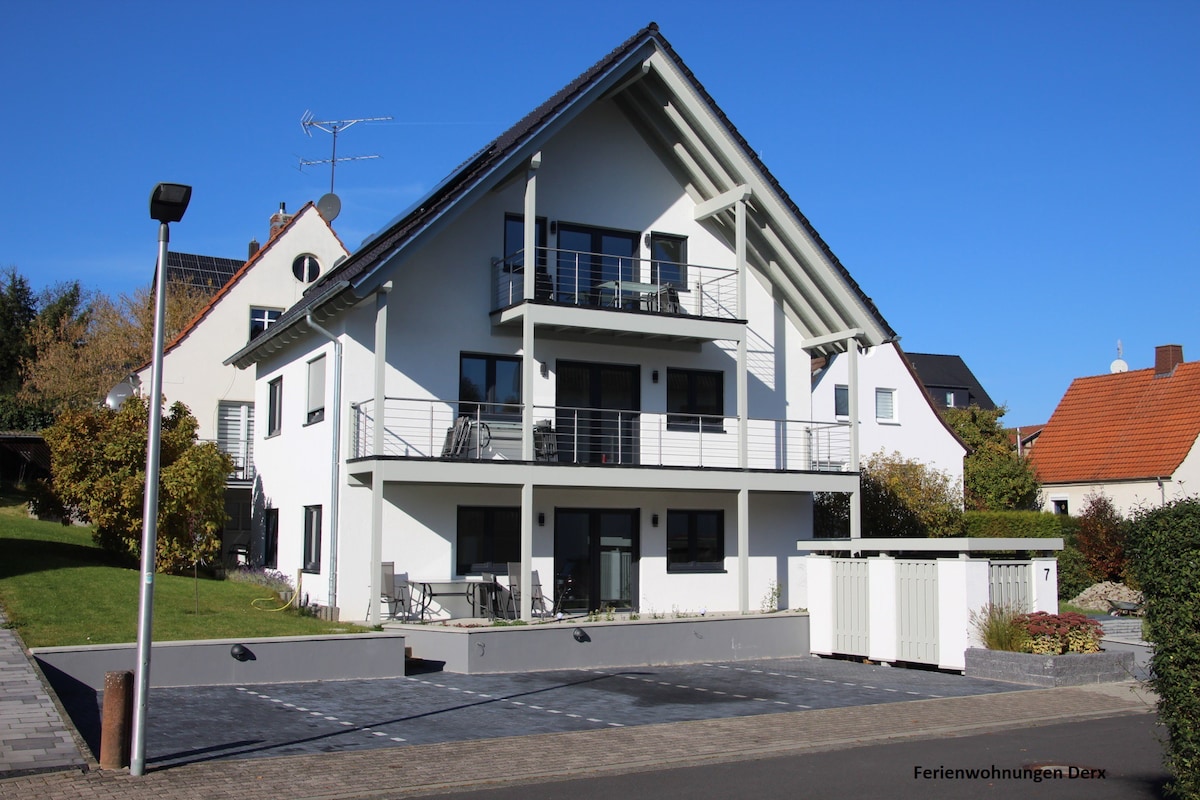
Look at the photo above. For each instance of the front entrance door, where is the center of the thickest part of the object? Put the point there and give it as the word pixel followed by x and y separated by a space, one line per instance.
pixel 597 419
pixel 594 555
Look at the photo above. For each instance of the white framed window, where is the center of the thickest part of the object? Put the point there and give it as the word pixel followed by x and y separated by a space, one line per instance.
pixel 261 319
pixel 316 391
pixel 312 539
pixel 274 407
pixel 885 405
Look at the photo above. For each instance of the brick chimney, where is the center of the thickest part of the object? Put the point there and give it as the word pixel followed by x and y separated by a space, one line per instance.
pixel 279 219
pixel 252 250
pixel 1166 358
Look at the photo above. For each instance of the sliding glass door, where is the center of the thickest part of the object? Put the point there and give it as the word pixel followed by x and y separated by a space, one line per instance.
pixel 591 261
pixel 597 418
pixel 595 551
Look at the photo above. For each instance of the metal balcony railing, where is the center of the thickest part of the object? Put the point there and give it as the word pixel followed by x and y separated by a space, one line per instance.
pixel 240 451
pixel 619 283
pixel 422 428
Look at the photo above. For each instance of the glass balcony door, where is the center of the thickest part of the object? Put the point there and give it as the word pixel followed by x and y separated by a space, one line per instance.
pixel 598 413
pixel 588 258
pixel 595 552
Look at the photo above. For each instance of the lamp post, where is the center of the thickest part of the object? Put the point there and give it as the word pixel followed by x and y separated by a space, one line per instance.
pixel 168 201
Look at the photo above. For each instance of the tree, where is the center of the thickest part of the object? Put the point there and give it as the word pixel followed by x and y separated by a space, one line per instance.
pixel 82 351
pixel 1101 537
pixel 18 308
pixel 899 498
pixel 995 478
pixel 98 459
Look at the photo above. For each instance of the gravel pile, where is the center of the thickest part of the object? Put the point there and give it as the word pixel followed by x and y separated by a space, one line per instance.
pixel 1096 596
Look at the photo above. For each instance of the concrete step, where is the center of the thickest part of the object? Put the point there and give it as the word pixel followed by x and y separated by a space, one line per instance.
pixel 1122 626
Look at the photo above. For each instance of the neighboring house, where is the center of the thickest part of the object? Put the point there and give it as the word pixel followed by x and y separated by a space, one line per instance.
pixel 895 412
pixel 949 381
pixel 1024 437
pixel 205 274
pixel 633 418
pixel 1129 435
pixel 221 397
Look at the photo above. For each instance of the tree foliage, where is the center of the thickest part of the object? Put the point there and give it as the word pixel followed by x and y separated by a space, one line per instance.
pixel 1164 550
pixel 899 497
pixel 80 353
pixel 995 478
pixel 1101 537
pixel 98 458
pixel 18 309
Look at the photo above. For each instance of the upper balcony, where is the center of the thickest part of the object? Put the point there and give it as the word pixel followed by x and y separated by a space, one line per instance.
pixel 492 432
pixel 598 293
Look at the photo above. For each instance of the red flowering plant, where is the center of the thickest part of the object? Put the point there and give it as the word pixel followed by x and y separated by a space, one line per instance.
pixel 1054 634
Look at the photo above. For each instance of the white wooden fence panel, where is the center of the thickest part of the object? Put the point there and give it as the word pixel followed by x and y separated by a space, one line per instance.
pixel 851 607
pixel 917 611
pixel 1010 584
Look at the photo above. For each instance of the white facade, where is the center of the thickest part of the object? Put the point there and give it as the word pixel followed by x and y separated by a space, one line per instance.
pixel 221 396
pixel 636 447
pixel 894 412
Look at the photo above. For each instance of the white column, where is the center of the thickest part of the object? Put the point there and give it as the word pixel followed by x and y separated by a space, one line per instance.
pixel 743 397
pixel 743 545
pixel 883 625
pixel 1044 585
pixel 530 261
pixel 373 587
pixel 527 552
pixel 852 391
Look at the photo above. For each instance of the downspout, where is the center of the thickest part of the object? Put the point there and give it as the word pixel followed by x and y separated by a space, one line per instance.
pixel 336 466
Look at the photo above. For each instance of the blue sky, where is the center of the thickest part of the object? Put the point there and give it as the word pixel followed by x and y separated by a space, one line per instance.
pixel 1016 182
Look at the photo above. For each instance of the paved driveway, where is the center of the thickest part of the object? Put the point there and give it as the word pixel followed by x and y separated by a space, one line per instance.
pixel 207 723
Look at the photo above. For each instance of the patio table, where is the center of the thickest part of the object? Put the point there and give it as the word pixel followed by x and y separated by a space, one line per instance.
pixel 430 589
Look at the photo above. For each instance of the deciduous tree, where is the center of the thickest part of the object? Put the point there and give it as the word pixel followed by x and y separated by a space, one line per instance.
pixel 995 478
pixel 98 458
pixel 900 497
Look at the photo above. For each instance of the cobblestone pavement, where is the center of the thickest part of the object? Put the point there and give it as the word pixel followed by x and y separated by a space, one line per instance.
pixel 33 735
pixel 608 721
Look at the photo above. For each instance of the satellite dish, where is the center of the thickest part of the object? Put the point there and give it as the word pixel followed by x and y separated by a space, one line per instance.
pixel 119 394
pixel 329 206
pixel 1118 366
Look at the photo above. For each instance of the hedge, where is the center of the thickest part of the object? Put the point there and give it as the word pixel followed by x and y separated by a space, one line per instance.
pixel 1164 550
pixel 1019 524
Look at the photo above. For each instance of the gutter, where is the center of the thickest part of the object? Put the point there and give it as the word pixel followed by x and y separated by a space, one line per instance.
pixel 335 469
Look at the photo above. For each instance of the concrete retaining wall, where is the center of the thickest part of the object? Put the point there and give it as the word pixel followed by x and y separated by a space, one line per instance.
pixel 209 663
pixel 581 645
pixel 1071 669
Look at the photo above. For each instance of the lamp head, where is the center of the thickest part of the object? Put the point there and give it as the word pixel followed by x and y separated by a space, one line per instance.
pixel 168 201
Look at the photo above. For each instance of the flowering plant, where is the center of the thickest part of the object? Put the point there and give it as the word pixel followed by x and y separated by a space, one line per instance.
pixel 1053 634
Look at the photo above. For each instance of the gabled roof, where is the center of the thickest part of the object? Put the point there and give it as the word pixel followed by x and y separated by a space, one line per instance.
pixel 206 273
pixel 950 372
pixel 671 110
pixel 239 273
pixel 1124 426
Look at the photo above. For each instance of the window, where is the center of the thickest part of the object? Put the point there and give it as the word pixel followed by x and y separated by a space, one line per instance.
pixel 271 538
pixel 841 401
pixel 1061 507
pixel 274 407
pixel 488 538
pixel 695 541
pixel 695 400
pixel 306 268
pixel 885 405
pixel 316 390
pixel 261 319
pixel 668 260
pixel 312 539
pixel 489 385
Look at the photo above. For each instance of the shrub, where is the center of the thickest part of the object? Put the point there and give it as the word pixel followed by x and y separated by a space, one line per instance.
pixel 1101 537
pixel 900 498
pixel 1016 524
pixel 1164 556
pixel 259 576
pixel 1055 634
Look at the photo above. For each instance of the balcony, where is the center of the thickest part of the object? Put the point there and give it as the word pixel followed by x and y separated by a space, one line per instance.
pixel 653 298
pixel 449 430
pixel 242 453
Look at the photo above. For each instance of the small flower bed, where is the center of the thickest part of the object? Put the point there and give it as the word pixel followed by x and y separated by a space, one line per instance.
pixel 1001 628
pixel 1054 634
pixel 258 576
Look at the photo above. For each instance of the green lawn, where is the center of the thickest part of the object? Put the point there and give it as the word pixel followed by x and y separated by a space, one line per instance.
pixel 57 588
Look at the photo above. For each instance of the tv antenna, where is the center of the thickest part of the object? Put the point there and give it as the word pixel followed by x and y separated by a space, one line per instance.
pixel 333 127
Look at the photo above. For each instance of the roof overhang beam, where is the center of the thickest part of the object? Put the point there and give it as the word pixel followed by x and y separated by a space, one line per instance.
pixel 721 202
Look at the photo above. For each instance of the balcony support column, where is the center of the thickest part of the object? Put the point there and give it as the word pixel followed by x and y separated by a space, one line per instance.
pixel 743 540
pixel 526 609
pixel 374 590
pixel 529 258
pixel 852 391
pixel 743 399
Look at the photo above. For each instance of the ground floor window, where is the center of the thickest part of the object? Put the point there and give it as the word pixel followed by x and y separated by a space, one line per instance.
pixel 271 538
pixel 312 539
pixel 695 541
pixel 488 538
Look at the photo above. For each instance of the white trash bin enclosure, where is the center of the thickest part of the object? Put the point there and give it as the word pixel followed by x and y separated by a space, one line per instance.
pixel 910 600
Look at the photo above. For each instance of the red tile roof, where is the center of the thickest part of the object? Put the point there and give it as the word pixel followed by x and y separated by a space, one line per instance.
pixel 1129 425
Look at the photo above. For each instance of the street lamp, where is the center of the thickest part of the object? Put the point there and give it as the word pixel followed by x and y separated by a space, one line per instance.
pixel 168 201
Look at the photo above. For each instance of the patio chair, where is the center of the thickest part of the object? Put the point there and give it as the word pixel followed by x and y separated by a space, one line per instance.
pixel 394 591
pixel 489 595
pixel 538 600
